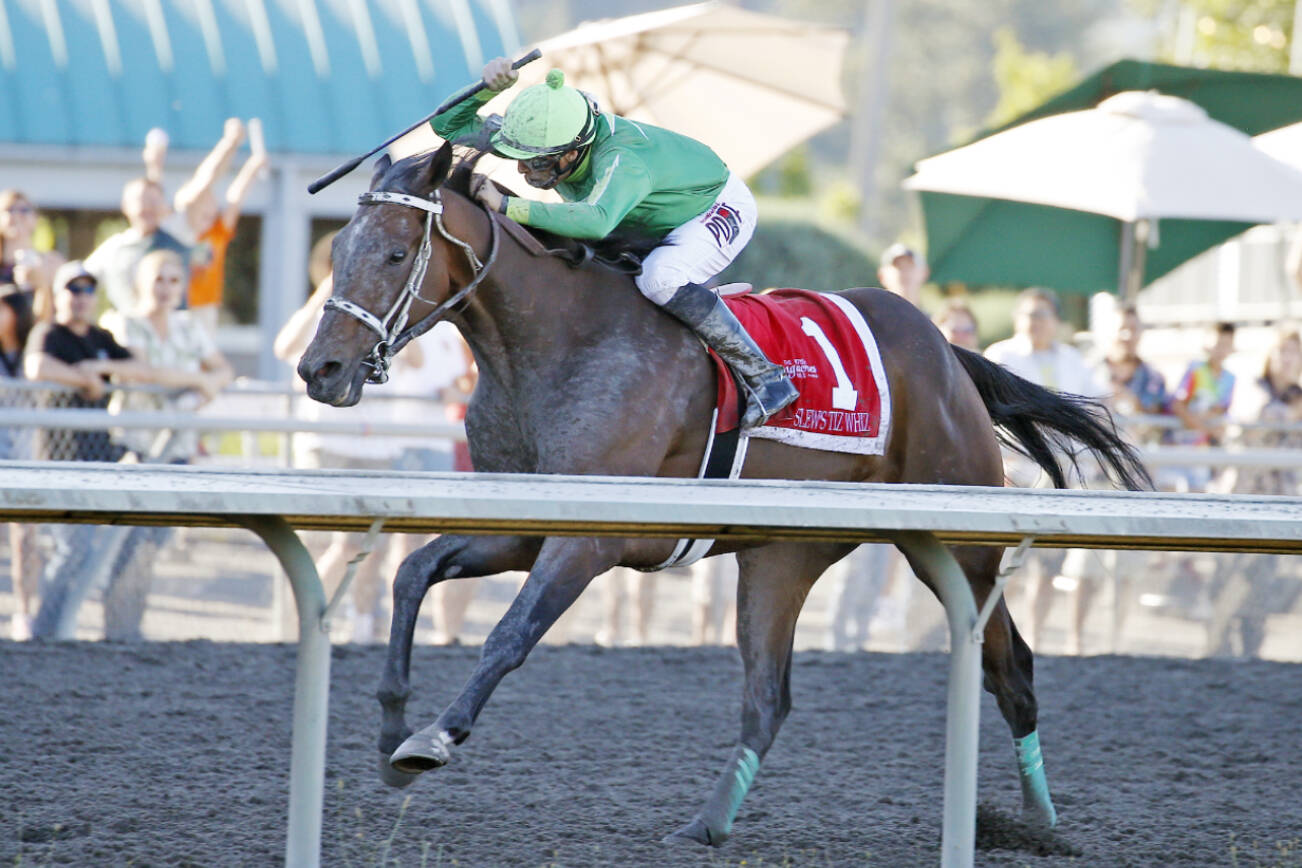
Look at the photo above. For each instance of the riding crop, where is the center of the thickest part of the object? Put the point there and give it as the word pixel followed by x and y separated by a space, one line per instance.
pixel 344 168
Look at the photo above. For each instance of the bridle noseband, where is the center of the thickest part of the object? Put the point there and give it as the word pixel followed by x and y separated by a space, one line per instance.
pixel 392 328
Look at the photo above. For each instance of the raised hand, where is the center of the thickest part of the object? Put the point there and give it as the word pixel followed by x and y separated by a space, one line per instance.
pixel 498 74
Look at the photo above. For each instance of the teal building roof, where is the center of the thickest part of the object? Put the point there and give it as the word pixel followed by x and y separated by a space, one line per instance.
pixel 325 76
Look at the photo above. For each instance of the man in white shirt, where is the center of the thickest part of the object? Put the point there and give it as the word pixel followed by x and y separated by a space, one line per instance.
pixel 114 261
pixel 1035 353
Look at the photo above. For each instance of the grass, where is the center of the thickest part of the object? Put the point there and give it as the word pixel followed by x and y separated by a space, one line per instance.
pixel 1282 854
pixel 358 850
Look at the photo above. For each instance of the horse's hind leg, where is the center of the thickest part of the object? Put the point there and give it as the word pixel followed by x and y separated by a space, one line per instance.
pixel 1009 676
pixel 772 584
pixel 448 557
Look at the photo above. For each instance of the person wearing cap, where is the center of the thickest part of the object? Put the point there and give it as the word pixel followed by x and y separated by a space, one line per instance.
pixel 903 271
pixel 618 175
pixel 74 352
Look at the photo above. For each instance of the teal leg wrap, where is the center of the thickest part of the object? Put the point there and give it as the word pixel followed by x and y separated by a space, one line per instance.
pixel 731 789
pixel 1035 786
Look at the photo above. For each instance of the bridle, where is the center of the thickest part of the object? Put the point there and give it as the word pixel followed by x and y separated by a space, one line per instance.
pixel 392 328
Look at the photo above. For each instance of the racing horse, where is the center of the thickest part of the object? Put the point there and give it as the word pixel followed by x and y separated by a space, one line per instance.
pixel 579 374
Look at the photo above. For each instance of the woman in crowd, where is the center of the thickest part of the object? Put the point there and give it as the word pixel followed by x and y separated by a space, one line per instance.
pixel 958 324
pixel 21 264
pixel 1249 587
pixel 184 356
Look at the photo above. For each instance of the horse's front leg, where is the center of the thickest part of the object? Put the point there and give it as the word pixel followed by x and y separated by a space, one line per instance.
pixel 564 568
pixel 448 557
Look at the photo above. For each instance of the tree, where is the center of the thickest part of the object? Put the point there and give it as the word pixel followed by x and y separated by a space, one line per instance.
pixel 1250 35
pixel 1026 78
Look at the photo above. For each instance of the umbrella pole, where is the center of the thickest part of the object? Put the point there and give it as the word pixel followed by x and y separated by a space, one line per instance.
pixel 1127 254
pixel 1134 247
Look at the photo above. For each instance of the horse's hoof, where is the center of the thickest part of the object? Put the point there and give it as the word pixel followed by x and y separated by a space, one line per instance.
pixel 392 776
pixel 695 833
pixel 1039 816
pixel 427 749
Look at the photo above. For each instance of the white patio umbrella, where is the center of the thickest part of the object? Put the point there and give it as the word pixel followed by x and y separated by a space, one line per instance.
pixel 1136 158
pixel 1284 144
pixel 750 86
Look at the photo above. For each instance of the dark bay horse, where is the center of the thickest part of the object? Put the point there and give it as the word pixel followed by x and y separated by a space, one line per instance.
pixel 579 374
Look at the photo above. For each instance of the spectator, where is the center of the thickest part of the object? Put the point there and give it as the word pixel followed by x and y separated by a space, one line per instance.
pixel 114 262
pixel 714 600
pixel 620 587
pixel 1134 388
pixel 21 264
pixel 903 271
pixel 958 324
pixel 1202 399
pixel 210 226
pixel 15 444
pixel 1202 402
pixel 1137 389
pixel 1274 401
pixel 183 355
pixel 1035 353
pixel 1250 587
pixel 864 604
pixel 72 351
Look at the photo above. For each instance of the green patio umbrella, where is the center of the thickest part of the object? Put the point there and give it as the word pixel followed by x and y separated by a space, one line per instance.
pixel 1252 102
pixel 992 239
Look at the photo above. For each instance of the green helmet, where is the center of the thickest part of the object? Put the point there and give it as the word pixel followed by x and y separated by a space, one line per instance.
pixel 545 119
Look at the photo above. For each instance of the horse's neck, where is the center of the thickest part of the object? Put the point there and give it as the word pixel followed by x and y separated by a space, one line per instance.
pixel 531 314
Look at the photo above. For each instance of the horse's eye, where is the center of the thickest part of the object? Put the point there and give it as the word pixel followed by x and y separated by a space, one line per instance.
pixel 397 256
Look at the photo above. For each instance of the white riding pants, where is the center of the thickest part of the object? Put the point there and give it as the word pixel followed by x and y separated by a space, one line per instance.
pixel 703 246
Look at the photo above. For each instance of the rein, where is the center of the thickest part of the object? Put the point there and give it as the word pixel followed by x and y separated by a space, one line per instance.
pixel 392 328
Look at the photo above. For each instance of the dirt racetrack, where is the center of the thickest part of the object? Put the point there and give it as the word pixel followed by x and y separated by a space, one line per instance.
pixel 177 753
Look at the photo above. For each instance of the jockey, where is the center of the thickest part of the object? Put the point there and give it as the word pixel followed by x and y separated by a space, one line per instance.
pixel 613 173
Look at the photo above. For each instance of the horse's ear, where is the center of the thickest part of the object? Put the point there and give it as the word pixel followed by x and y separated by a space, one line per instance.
pixel 440 166
pixel 381 166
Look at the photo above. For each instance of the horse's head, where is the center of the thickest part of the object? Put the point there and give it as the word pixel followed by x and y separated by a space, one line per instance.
pixel 394 263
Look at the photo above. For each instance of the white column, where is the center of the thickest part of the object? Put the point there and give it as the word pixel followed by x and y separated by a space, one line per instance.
pixel 311 693
pixel 963 716
pixel 282 273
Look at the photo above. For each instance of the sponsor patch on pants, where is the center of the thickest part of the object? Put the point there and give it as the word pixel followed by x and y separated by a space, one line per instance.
pixel 723 223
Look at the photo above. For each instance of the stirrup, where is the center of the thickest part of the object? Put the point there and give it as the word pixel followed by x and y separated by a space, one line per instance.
pixel 772 397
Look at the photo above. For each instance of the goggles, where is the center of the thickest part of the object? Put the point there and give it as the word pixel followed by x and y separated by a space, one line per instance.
pixel 542 163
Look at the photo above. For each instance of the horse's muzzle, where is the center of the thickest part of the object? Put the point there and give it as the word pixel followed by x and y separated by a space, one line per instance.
pixel 332 381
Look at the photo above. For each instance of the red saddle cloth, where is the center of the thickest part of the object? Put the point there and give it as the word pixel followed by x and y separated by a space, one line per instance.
pixel 830 355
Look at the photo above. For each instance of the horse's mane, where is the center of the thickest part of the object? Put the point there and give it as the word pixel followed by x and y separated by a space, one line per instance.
pixel 418 172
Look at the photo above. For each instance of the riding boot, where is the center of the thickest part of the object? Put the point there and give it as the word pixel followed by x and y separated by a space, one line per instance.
pixel 767 386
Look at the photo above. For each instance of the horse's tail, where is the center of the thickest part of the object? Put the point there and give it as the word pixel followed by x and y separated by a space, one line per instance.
pixel 1040 424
